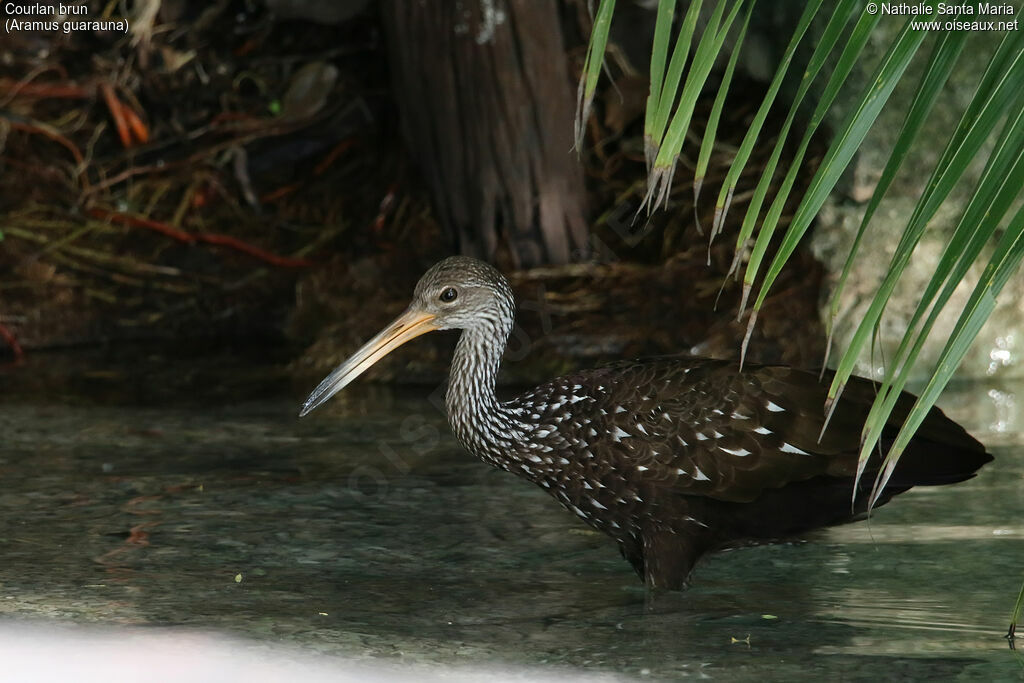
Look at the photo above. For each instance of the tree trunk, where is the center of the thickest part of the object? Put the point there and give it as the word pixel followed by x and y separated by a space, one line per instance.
pixel 487 108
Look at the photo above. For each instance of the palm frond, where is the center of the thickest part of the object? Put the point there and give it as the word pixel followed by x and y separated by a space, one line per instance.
pixel 994 115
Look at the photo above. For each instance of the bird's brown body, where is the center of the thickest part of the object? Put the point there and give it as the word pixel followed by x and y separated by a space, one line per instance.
pixel 671 457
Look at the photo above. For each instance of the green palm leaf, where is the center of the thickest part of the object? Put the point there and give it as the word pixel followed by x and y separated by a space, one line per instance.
pixel 993 118
pixel 592 66
pixel 665 145
pixel 711 129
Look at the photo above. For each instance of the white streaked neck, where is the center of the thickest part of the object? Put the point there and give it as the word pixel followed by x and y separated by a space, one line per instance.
pixel 487 428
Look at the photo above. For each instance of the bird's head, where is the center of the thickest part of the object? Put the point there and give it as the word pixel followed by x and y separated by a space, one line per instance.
pixel 460 293
pixel 456 293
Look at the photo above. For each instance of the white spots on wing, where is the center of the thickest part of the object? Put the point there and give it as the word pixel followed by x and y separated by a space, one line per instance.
pixel 563 461
pixel 701 437
pixel 602 411
pixel 740 416
pixel 534 458
pixel 597 504
pixel 774 407
pixel 789 448
pixel 640 427
pixel 587 486
pixel 716 411
pixel 579 512
pixel 618 434
pixel 700 476
pixel 641 468
pixel 619 409
pixel 680 471
pixel 576 399
pixel 762 430
pixel 682 441
pixel 614 524
pixel 739 452
pixel 545 483
pixel 696 521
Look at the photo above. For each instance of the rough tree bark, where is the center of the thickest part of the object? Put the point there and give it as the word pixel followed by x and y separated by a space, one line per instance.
pixel 487 106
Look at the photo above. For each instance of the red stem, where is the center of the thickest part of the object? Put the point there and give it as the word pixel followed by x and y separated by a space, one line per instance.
pixel 208 238
pixel 12 341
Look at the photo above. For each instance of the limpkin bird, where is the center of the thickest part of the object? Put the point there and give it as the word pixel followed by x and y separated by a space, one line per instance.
pixel 671 457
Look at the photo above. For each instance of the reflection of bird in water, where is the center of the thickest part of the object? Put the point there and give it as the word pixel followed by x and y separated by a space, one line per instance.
pixel 671 457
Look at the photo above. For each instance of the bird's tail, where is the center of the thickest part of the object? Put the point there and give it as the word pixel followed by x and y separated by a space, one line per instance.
pixel 941 451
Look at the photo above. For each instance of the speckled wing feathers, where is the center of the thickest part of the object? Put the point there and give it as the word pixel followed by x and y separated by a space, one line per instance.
pixel 697 427
pixel 701 427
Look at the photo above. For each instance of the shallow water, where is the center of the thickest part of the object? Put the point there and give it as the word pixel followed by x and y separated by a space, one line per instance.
pixel 167 492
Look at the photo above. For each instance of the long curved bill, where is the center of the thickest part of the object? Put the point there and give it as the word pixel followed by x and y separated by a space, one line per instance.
pixel 409 325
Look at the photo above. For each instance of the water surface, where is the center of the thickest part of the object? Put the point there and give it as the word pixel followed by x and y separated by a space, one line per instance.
pixel 171 492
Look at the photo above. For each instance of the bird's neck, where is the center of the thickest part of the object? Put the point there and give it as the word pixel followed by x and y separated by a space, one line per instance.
pixel 488 429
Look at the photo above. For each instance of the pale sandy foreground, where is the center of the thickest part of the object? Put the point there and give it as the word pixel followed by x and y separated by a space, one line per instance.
pixel 39 654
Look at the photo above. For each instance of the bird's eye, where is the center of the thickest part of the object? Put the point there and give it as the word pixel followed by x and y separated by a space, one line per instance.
pixel 449 295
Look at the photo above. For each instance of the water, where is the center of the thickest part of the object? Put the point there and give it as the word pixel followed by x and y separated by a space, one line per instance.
pixel 161 491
